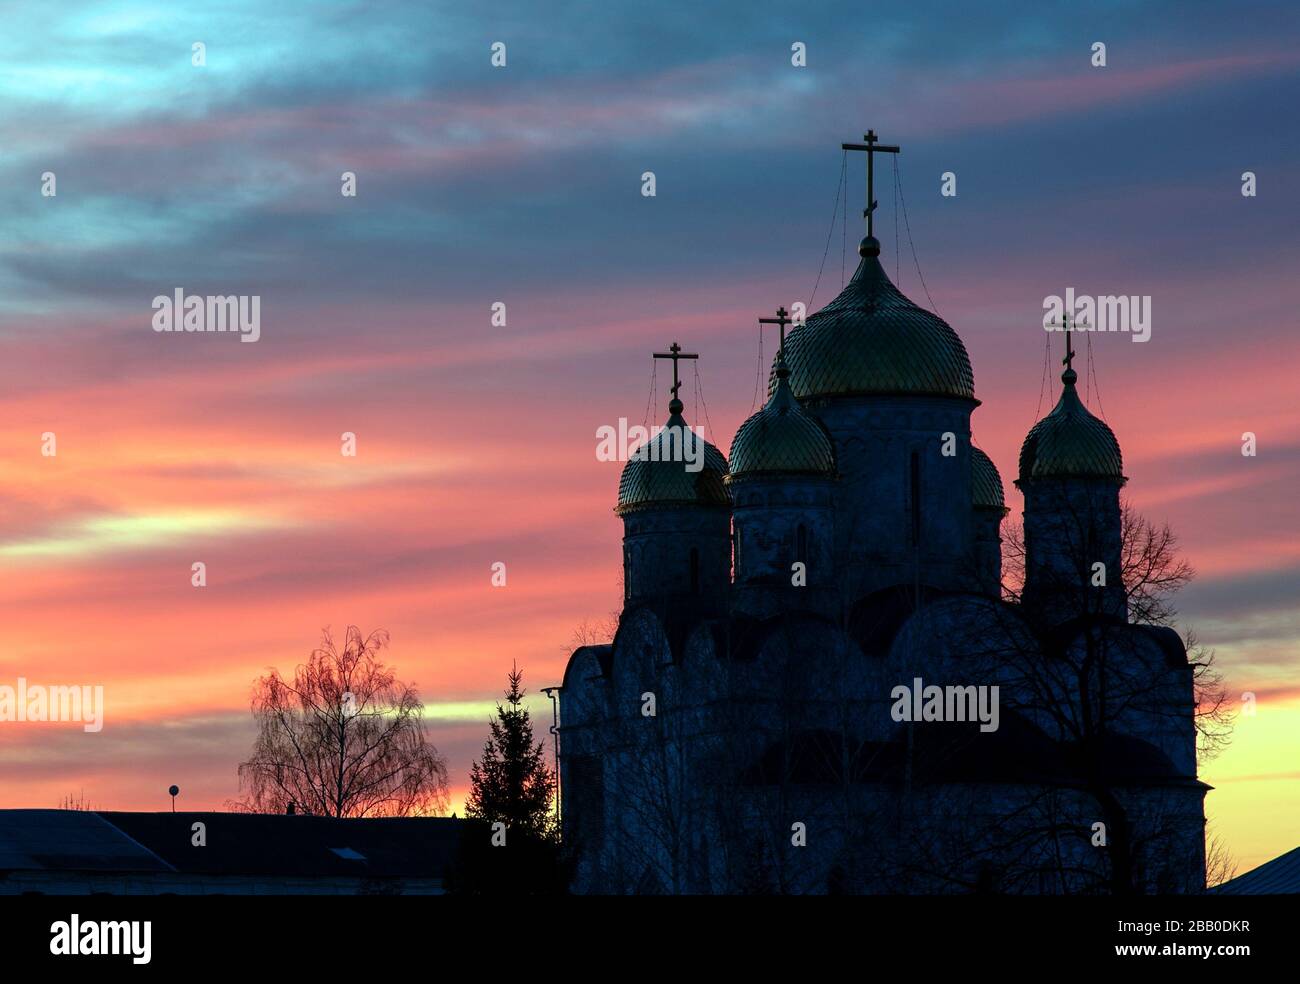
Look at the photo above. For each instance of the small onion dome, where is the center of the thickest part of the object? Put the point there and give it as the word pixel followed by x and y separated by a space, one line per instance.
pixel 986 483
pixel 1070 442
pixel 658 473
pixel 872 340
pixel 781 438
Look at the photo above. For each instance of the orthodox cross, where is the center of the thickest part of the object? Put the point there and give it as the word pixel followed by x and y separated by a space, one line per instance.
pixel 1069 330
pixel 675 352
pixel 780 319
pixel 872 149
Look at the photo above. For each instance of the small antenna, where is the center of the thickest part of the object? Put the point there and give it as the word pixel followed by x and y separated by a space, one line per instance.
pixel 173 792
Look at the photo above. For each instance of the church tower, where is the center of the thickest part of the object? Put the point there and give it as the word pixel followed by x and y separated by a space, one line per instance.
pixel 676 516
pixel 892 384
pixel 782 479
pixel 1071 472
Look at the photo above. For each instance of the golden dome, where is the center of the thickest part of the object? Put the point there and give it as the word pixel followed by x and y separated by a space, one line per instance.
pixel 873 340
pixel 781 438
pixel 986 483
pixel 657 473
pixel 1070 442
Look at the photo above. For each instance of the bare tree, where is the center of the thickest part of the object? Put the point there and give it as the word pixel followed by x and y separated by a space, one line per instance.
pixel 592 632
pixel 78 802
pixel 1150 567
pixel 1220 865
pixel 1215 712
pixel 345 738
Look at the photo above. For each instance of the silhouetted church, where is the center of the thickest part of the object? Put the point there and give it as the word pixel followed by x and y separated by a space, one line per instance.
pixel 744 730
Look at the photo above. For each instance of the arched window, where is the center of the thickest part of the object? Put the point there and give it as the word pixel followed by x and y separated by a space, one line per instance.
pixel 695 570
pixel 737 537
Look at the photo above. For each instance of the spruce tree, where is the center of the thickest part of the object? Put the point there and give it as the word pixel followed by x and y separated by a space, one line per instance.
pixel 512 783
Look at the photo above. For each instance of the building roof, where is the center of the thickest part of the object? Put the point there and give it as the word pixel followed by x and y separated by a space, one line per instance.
pixel 301 846
pixel 1281 876
pixel 872 340
pixel 1070 442
pixel 658 474
pixel 61 840
pixel 254 844
pixel 782 438
pixel 986 483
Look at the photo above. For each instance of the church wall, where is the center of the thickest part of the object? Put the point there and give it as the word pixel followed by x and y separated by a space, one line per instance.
pixel 676 553
pixel 1179 732
pixel 987 523
pixel 1069 526
pixel 1160 705
pixel 672 817
pixel 777 522
pixel 875 438
pixel 1169 841
pixel 767 515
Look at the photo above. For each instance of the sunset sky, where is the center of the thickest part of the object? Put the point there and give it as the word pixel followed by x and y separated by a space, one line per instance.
pixel 522 184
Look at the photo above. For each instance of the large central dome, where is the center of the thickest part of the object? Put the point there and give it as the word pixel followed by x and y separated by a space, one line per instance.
pixel 871 340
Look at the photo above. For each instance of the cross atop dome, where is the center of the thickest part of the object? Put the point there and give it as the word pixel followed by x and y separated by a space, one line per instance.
pixel 871 148
pixel 675 353
pixel 1070 353
pixel 1068 361
pixel 782 318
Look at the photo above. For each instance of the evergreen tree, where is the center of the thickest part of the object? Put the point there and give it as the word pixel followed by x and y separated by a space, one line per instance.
pixel 512 783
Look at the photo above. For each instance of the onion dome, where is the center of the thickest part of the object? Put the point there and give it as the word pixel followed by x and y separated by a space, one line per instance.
pixel 1070 442
pixel 781 438
pixel 986 483
pixel 658 473
pixel 872 340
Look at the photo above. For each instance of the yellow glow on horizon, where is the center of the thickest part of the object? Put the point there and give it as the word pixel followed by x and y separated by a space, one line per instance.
pixel 1255 804
pixel 104 533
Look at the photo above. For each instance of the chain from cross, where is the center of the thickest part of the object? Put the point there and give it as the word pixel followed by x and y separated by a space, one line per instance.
pixel 871 148
pixel 675 352
pixel 782 319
